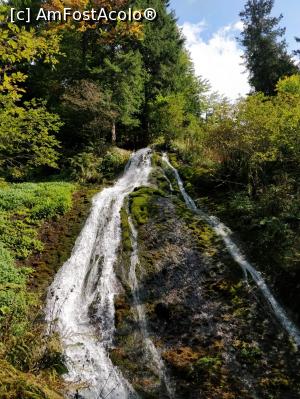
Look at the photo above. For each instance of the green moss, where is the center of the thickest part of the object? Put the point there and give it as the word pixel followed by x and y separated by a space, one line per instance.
pixel 147 264
pixel 126 239
pixel 248 352
pixel 123 312
pixel 208 363
pixel 141 203
pixel 277 380
pixel 156 159
pixel 160 179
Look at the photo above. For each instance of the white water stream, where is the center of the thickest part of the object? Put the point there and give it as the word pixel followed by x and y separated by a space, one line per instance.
pixel 80 302
pixel 225 233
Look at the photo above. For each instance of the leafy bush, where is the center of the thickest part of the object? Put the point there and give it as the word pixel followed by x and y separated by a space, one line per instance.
pixel 27 137
pixel 20 196
pixel 114 162
pixel 86 167
pixel 90 167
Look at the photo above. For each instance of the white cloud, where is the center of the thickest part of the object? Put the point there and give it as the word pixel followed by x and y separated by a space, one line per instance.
pixel 219 59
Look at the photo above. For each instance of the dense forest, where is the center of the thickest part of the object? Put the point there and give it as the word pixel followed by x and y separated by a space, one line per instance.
pixel 76 99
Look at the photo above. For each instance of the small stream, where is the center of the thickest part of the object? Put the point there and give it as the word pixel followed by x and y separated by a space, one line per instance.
pixel 225 233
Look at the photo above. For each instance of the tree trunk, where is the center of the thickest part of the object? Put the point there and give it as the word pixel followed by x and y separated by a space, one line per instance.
pixel 113 133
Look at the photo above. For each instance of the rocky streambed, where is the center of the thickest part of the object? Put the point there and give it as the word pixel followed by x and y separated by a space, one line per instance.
pixel 214 332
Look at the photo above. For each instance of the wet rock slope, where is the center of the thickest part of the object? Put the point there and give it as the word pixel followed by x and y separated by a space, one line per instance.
pixel 215 333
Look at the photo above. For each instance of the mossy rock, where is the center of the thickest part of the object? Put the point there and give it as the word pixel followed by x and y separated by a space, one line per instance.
pixel 159 178
pixel 141 203
pixel 156 159
pixel 126 239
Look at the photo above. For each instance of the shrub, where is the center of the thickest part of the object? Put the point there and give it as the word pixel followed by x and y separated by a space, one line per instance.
pixel 86 167
pixel 114 162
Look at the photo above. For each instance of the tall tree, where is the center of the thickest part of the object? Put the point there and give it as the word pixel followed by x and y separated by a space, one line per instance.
pixel 297 52
pixel 123 75
pixel 266 55
pixel 161 50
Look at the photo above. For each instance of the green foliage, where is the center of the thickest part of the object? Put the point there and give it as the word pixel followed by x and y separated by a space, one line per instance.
pixel 270 220
pixel 86 167
pixel 140 203
pixel 177 114
pixel 266 56
pixel 167 115
pixel 248 159
pixel 114 161
pixel 91 167
pixel 289 85
pixel 20 46
pixel 88 112
pixel 14 301
pixel 27 131
pixel 23 207
pixel 27 138
pixel 127 88
pixel 161 49
pixel 259 133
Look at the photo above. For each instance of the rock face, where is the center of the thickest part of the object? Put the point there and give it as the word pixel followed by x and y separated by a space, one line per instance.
pixel 214 334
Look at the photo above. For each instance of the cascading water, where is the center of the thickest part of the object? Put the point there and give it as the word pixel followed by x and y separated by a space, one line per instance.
pixel 152 354
pixel 80 302
pixel 225 233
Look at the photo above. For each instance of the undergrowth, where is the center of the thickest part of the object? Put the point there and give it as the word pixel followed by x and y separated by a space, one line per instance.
pixel 28 360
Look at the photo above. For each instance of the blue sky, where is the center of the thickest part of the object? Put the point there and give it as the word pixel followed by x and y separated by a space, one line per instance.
pixel 211 26
pixel 218 13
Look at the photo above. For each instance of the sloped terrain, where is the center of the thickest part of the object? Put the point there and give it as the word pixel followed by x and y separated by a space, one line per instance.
pixel 215 334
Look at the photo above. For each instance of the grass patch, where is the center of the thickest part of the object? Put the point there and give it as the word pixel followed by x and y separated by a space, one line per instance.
pixel 24 352
pixel 24 207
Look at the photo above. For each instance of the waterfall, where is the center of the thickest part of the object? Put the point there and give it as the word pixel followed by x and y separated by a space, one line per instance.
pixel 152 354
pixel 225 233
pixel 80 301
